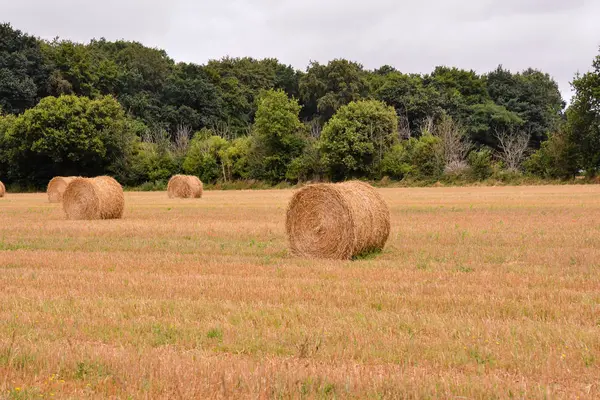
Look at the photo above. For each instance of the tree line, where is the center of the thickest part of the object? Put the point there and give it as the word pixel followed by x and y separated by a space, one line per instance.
pixel 128 110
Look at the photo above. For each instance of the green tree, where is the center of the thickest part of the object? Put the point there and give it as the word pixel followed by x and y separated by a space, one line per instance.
pixel 189 98
pixel 356 138
pixel 277 134
pixel 486 119
pixel 24 71
pixel 75 69
pixel 411 98
pixel 584 118
pixel 459 89
pixel 326 88
pixel 532 95
pixel 241 80
pixel 69 135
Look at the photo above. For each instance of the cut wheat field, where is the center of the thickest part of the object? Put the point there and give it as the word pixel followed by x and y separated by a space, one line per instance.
pixel 479 293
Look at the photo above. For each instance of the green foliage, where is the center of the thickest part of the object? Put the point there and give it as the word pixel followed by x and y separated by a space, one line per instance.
pixel 488 118
pixel 532 95
pixel 250 122
pixel 425 157
pixel 556 158
pixel 277 136
pixel 308 166
pixel 75 69
pixel 241 80
pixel 396 162
pixel 326 88
pixel 356 138
pixel 410 97
pixel 459 89
pixel 235 159
pixel 481 164
pixel 24 71
pixel 205 157
pixel 69 135
pixel 584 118
pixel 151 163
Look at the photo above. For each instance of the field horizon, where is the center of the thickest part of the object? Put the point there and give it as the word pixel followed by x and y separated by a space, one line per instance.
pixel 481 292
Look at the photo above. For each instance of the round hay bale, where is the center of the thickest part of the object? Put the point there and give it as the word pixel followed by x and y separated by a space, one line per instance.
pixel 94 198
pixel 337 221
pixel 185 186
pixel 57 186
pixel 2 189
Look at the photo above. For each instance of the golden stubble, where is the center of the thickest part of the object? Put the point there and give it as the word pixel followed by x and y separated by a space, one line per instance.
pixel 479 292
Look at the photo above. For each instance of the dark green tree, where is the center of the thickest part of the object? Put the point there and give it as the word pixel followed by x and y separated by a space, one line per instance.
pixel 326 88
pixel 532 95
pixel 411 98
pixel 584 118
pixel 24 71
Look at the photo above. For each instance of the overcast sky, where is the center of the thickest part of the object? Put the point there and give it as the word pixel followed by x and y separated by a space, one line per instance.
pixel 557 36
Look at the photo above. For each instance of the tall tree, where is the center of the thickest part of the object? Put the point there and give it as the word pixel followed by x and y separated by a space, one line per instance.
pixel 326 88
pixel 411 98
pixel 241 81
pixel 532 95
pixel 24 71
pixel 277 135
pixel 584 118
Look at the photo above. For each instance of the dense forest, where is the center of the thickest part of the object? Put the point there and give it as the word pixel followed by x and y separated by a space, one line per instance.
pixel 130 111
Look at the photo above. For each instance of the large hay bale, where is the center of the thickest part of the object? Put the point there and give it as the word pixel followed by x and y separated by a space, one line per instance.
pixel 94 198
pixel 185 186
pixel 337 221
pixel 2 189
pixel 57 186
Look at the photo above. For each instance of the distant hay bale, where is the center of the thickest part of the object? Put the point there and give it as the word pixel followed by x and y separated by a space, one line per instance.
pixel 94 198
pixel 2 189
pixel 56 188
pixel 337 221
pixel 185 186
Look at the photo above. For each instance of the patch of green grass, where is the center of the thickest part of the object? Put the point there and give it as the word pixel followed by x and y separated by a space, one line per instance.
pixel 481 358
pixel 463 268
pixel 163 335
pixel 86 370
pixel 215 333
pixel 18 393
pixel 367 255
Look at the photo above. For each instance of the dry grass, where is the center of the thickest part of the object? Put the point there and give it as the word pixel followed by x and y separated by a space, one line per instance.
pixel 479 293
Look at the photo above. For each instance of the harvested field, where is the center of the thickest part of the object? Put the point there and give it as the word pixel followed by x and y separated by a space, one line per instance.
pixel 479 293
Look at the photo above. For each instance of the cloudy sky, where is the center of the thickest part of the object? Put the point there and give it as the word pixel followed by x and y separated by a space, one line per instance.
pixel 557 36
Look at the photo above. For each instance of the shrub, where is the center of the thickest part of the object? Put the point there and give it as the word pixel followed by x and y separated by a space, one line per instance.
pixel 481 164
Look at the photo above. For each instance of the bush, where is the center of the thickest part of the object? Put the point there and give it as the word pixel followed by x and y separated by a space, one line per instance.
pixel 204 157
pixel 235 159
pixel 425 158
pixel 480 162
pixel 396 163
pixel 152 162
pixel 556 158
pixel 307 167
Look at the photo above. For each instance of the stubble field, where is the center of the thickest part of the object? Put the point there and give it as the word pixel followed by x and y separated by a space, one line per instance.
pixel 480 293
